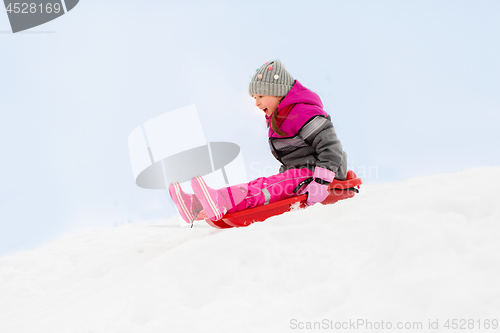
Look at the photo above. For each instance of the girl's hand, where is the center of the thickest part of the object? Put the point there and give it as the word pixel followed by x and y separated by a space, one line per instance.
pixel 317 190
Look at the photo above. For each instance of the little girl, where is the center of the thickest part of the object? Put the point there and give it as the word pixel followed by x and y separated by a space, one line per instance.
pixel 301 137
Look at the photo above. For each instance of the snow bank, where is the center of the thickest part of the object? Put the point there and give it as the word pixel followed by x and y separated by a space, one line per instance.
pixel 422 249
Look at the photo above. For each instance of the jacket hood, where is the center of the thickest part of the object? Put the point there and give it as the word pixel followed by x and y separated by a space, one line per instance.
pixel 300 94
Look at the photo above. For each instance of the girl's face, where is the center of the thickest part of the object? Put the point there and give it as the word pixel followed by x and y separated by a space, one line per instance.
pixel 266 103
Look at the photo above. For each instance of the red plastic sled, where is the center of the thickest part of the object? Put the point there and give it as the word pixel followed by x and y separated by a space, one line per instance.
pixel 339 190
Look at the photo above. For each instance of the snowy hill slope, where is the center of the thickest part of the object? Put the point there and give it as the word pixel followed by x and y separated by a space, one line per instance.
pixel 422 249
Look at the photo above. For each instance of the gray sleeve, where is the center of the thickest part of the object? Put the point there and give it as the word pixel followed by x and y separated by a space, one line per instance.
pixel 316 144
pixel 328 148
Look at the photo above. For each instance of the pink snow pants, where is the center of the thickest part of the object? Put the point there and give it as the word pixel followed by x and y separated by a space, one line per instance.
pixel 264 190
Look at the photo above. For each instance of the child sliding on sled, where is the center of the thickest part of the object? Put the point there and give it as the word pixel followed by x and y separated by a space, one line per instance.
pixel 301 137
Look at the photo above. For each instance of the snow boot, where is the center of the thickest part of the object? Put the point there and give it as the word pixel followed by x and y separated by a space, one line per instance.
pixel 216 203
pixel 188 205
pixel 213 202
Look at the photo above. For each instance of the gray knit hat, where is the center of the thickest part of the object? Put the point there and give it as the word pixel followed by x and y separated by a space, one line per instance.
pixel 271 79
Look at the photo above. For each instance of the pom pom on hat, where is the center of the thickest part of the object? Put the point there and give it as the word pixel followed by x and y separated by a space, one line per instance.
pixel 271 79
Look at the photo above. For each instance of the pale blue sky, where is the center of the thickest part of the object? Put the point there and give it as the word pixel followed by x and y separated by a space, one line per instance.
pixel 412 87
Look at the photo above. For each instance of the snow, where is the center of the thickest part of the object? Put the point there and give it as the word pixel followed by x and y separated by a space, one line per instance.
pixel 419 250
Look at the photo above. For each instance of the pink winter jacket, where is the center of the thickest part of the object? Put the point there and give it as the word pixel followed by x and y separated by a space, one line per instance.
pixel 310 139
